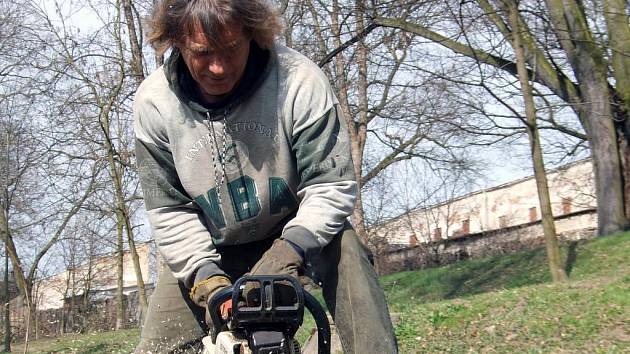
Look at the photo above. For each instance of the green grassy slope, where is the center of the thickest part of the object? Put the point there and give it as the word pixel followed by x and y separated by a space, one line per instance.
pixel 505 304
pixel 496 305
pixel 119 342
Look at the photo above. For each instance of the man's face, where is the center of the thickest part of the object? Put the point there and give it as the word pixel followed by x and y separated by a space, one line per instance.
pixel 216 71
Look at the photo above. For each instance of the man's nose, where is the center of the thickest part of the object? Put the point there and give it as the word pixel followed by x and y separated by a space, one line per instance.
pixel 216 66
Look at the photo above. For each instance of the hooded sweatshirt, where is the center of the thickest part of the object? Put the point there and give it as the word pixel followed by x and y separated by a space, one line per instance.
pixel 271 160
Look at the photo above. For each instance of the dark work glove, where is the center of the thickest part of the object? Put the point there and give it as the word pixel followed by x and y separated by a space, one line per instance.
pixel 280 258
pixel 205 289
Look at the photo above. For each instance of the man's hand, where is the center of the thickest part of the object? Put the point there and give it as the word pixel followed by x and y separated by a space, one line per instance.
pixel 281 258
pixel 205 289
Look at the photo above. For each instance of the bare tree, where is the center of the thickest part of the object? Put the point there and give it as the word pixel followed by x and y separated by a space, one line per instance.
pixel 559 47
pixel 556 265
pixel 418 214
pixel 99 66
pixel 390 118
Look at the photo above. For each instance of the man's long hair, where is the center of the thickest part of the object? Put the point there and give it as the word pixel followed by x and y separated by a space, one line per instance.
pixel 173 20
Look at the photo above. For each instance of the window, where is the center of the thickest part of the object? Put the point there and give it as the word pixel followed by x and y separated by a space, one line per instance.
pixel 502 221
pixel 566 205
pixel 413 240
pixel 533 214
pixel 437 234
pixel 465 227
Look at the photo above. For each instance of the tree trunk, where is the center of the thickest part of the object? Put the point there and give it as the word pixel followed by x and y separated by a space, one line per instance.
pixel 119 205
pixel 142 296
pixel 122 222
pixel 137 67
pixel 24 285
pixel 7 317
pixel 354 131
pixel 66 312
pixel 358 143
pixel 556 265
pixel 120 306
pixel 87 282
pixel 590 69
pixel 18 272
pixel 138 72
pixel 73 314
pixel 159 58
pixel 615 12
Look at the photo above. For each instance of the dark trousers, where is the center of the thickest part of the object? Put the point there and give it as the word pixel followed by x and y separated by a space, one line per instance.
pixel 350 287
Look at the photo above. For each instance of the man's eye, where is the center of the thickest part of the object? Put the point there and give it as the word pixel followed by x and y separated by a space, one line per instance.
pixel 235 45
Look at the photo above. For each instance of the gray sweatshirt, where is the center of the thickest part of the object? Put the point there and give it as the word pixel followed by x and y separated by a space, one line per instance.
pixel 280 167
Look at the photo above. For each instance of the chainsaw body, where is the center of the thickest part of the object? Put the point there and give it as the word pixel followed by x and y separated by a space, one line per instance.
pixel 266 325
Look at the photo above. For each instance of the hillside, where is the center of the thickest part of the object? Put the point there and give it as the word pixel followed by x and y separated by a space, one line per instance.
pixel 505 304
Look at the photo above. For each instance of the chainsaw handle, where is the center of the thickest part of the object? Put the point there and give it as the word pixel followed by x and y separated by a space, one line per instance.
pixel 310 302
pixel 321 320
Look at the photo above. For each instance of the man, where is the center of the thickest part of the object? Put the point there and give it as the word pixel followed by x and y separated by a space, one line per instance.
pixel 245 167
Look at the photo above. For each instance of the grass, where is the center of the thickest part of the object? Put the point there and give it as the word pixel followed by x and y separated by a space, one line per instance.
pixel 122 341
pixel 496 305
pixel 506 304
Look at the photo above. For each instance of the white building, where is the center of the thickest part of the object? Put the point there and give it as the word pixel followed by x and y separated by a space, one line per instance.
pixel 97 276
pixel 514 203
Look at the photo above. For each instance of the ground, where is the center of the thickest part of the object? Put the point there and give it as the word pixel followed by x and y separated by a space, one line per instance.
pixel 502 304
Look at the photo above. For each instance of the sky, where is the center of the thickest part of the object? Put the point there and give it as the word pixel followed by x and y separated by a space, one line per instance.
pixel 500 164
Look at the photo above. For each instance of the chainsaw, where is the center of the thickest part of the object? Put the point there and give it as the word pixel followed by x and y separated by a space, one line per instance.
pixel 268 324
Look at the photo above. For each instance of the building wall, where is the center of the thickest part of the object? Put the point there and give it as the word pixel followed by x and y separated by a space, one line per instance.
pixel 527 236
pixel 514 203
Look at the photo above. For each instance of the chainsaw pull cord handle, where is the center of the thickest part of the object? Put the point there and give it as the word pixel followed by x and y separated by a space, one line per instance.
pixel 321 320
pixel 213 306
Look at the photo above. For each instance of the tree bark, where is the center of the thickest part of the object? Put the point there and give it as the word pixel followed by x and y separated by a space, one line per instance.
pixel 123 223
